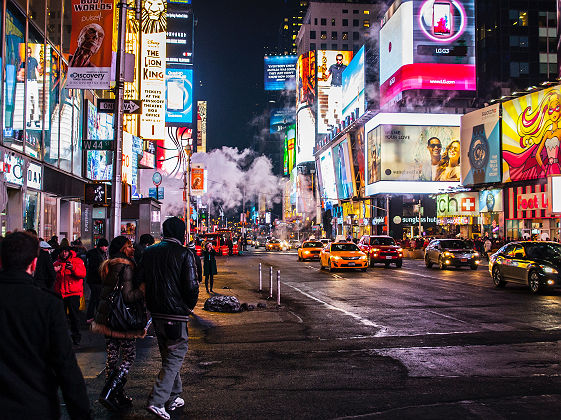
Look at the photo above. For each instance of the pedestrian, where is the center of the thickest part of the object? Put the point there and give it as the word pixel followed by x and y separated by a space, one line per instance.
pixel 209 266
pixel 145 241
pixel 120 347
pixel 53 242
pixel 168 271
pixel 191 245
pixel 57 249
pixel 487 245
pixel 94 259
pixel 36 357
pixel 44 275
pixel 70 285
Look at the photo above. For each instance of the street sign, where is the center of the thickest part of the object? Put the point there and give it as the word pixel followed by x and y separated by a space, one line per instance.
pixel 157 178
pixel 130 106
pixel 152 193
pixel 97 145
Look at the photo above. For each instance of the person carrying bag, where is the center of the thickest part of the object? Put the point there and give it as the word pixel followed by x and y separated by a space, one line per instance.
pixel 121 317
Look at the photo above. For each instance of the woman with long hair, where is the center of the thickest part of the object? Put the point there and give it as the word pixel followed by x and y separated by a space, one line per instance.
pixel 209 265
pixel 449 166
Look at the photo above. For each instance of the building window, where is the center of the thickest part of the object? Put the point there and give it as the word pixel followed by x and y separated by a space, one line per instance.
pixel 312 46
pixel 345 47
pixel 355 12
pixel 345 11
pixel 334 35
pixel 332 22
pixel 323 22
pixel 518 17
pixel 312 34
pixel 356 47
pixel 49 219
pixel 334 46
pixel 345 36
pixel 366 23
pixel 315 21
pixel 524 68
pixel 355 22
pixel 356 36
pixel 345 22
pixel 366 12
pixel 323 35
pixel 323 46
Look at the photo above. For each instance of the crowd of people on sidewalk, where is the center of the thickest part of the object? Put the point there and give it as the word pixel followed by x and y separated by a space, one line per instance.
pixel 41 299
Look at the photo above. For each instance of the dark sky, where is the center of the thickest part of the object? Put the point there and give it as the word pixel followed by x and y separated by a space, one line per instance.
pixel 228 61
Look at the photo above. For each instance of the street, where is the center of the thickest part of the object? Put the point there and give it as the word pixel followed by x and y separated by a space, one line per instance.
pixel 408 343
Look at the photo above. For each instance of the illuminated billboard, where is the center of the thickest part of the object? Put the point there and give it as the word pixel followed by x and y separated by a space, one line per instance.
pixel 530 138
pixel 353 86
pixel 99 163
pixel 280 72
pixel 306 80
pixel 343 165
pixel 305 135
pixel 179 96
pixel 280 119
pixel 179 35
pixel 427 45
pixel 328 190
pixel 480 146
pixel 201 126
pixel 330 67
pixel 291 147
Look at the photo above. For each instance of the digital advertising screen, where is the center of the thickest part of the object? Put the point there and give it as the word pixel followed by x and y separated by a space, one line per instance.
pixel 291 147
pixel 306 80
pixel 344 174
pixel 306 135
pixel 327 176
pixel 427 45
pixel 373 156
pixel 99 163
pixel 330 67
pixel 179 96
pixel 353 86
pixel 280 72
pixel 179 34
pixel 280 119
pixel 480 146
pixel 530 138
pixel 491 201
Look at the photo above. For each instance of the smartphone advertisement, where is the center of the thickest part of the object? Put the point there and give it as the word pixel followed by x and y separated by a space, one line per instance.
pixel 179 96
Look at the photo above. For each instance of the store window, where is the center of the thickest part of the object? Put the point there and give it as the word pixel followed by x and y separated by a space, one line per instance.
pixel 53 151
pixel 34 103
pixel 31 211
pixel 14 83
pixel 50 217
pixel 76 209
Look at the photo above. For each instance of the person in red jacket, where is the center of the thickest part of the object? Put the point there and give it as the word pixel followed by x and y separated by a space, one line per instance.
pixel 71 272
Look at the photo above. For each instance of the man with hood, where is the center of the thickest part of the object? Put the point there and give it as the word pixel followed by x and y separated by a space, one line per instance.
pixel 94 259
pixel 71 272
pixel 169 273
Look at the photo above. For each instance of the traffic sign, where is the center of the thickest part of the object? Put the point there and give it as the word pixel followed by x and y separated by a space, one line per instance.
pixel 157 178
pixel 130 106
pixel 97 145
pixel 157 193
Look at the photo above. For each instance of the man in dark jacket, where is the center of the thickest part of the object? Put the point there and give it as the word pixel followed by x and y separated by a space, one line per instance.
pixel 168 271
pixel 94 258
pixel 44 275
pixel 36 356
pixel 145 241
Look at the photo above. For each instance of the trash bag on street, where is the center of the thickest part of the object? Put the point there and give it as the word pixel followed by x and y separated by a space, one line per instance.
pixel 222 303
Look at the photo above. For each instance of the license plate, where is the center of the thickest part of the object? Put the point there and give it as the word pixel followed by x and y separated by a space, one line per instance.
pixel 350 264
pixel 389 258
pixel 464 260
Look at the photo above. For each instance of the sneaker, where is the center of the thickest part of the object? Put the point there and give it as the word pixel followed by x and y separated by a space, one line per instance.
pixel 178 402
pixel 158 411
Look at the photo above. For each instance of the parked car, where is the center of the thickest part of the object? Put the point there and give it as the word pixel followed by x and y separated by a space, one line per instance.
pixel 309 250
pixel 381 249
pixel 451 252
pixel 535 264
pixel 343 255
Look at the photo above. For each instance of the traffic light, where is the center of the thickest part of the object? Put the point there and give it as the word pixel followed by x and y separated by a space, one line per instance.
pixel 95 194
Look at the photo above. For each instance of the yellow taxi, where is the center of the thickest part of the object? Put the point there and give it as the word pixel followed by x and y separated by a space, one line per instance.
pixel 309 250
pixel 343 255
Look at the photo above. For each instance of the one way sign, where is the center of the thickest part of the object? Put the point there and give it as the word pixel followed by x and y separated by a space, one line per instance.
pixel 130 106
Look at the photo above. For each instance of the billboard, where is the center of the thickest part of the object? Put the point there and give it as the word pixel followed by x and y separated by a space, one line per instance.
pixel 280 72
pixel 328 189
pixel 427 45
pixel 179 34
pixel 343 165
pixel 373 156
pixel 491 201
pixel 280 119
pixel 330 67
pixel 306 80
pixel 480 146
pixel 89 65
pixel 198 180
pixel 555 190
pixel 353 86
pixel 291 147
pixel 530 139
pixel 179 96
pixel 459 204
pixel 305 135
pixel 201 126
pixel 99 163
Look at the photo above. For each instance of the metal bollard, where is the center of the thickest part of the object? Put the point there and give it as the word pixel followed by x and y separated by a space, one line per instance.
pixel 278 287
pixel 271 282
pixel 260 278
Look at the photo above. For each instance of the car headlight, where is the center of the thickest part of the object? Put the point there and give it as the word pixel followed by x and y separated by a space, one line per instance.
pixel 549 270
pixel 399 249
pixel 476 254
pixel 363 257
pixel 336 257
pixel 447 254
pixel 306 252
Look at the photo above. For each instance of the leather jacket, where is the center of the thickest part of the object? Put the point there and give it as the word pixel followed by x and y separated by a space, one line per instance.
pixel 169 272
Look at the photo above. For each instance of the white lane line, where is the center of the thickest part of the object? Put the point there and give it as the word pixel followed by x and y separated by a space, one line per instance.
pixel 442 279
pixel 448 316
pixel 363 321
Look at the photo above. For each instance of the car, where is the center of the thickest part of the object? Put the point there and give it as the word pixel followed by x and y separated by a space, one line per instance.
pixel 536 264
pixel 451 252
pixel 309 250
pixel 381 249
pixel 260 241
pixel 275 245
pixel 343 255
pixel 325 241
pixel 294 244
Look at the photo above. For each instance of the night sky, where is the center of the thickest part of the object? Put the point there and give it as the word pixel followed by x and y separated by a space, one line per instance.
pixel 228 60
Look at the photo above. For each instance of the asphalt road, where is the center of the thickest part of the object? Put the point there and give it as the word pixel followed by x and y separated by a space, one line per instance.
pixel 387 343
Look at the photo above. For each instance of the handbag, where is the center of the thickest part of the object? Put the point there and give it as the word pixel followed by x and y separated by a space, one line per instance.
pixel 118 315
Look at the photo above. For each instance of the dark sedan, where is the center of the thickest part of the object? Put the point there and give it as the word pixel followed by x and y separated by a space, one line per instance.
pixel 451 253
pixel 534 264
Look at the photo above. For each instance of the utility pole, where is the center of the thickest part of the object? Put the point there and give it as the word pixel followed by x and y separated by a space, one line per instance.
pixel 116 191
pixel 187 192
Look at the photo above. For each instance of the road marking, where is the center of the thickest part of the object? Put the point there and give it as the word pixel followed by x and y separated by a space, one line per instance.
pixel 448 316
pixel 443 279
pixel 363 321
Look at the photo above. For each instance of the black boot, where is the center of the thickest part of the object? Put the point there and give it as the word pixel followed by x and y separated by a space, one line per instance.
pixel 123 399
pixel 108 396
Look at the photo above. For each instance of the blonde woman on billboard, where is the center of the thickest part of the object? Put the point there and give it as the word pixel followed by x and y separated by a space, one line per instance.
pixel 449 166
pixel 540 135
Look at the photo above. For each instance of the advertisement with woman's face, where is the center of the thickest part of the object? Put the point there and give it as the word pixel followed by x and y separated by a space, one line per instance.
pixel 344 174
